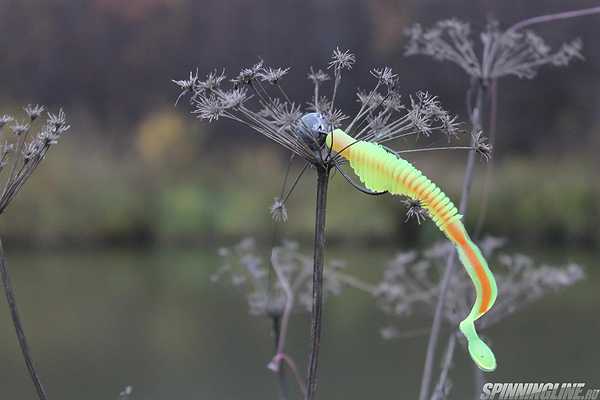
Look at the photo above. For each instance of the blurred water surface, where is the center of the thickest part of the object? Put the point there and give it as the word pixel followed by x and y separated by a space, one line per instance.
pixel 100 320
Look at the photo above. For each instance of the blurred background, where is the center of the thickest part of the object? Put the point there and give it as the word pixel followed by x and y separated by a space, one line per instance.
pixel 114 238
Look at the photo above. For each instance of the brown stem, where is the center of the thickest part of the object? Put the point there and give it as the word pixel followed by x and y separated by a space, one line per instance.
pixel 14 313
pixel 319 257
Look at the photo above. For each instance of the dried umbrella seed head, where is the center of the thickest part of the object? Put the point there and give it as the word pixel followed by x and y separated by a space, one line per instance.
pixel 482 147
pixel 415 211
pixel 278 210
pixel 186 85
pixel 502 52
pixel 19 128
pixel 5 119
pixel 410 284
pixel 318 76
pixel 279 286
pixel 426 111
pixel 245 267
pixel 249 75
pixel 34 111
pixel 386 76
pixel 273 75
pixel 22 151
pixel 342 60
pixel 213 81
pixel 209 108
pixel 55 127
pixel 258 101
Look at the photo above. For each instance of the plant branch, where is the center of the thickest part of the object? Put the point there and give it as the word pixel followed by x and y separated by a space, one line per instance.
pixel 289 193
pixel 14 313
pixel 437 149
pixel 553 17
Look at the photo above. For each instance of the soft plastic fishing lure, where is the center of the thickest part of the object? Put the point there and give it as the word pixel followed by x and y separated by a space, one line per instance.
pixel 381 170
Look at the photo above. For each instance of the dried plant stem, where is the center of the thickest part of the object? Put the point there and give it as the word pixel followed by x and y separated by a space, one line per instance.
pixel 478 381
pixel 14 313
pixel 438 393
pixel 292 366
pixel 280 328
pixel 472 147
pixel 489 168
pixel 15 165
pixel 554 17
pixel 319 257
pixel 281 379
pixel 464 199
pixel 276 317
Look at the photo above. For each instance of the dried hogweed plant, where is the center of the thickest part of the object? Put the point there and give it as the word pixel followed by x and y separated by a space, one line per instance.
pixel 512 52
pixel 256 99
pixel 500 53
pixel 410 287
pixel 21 150
pixel 278 286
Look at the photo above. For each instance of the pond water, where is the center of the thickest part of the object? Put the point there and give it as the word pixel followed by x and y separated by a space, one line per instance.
pixel 100 320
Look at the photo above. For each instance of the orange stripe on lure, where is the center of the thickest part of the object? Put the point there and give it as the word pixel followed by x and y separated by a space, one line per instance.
pixel 381 170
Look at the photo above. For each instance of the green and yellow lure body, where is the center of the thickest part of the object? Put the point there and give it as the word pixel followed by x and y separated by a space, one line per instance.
pixel 381 170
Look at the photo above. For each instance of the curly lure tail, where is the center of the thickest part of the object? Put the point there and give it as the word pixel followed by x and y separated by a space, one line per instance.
pixel 380 170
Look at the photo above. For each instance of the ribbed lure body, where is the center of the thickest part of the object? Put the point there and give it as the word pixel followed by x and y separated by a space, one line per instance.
pixel 381 170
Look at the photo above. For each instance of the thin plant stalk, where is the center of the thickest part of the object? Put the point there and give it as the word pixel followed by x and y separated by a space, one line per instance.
pixel 276 317
pixel 489 170
pixel 464 199
pixel 281 379
pixel 443 381
pixel 478 382
pixel 282 331
pixel 16 319
pixel 553 17
pixel 317 296
pixel 292 366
